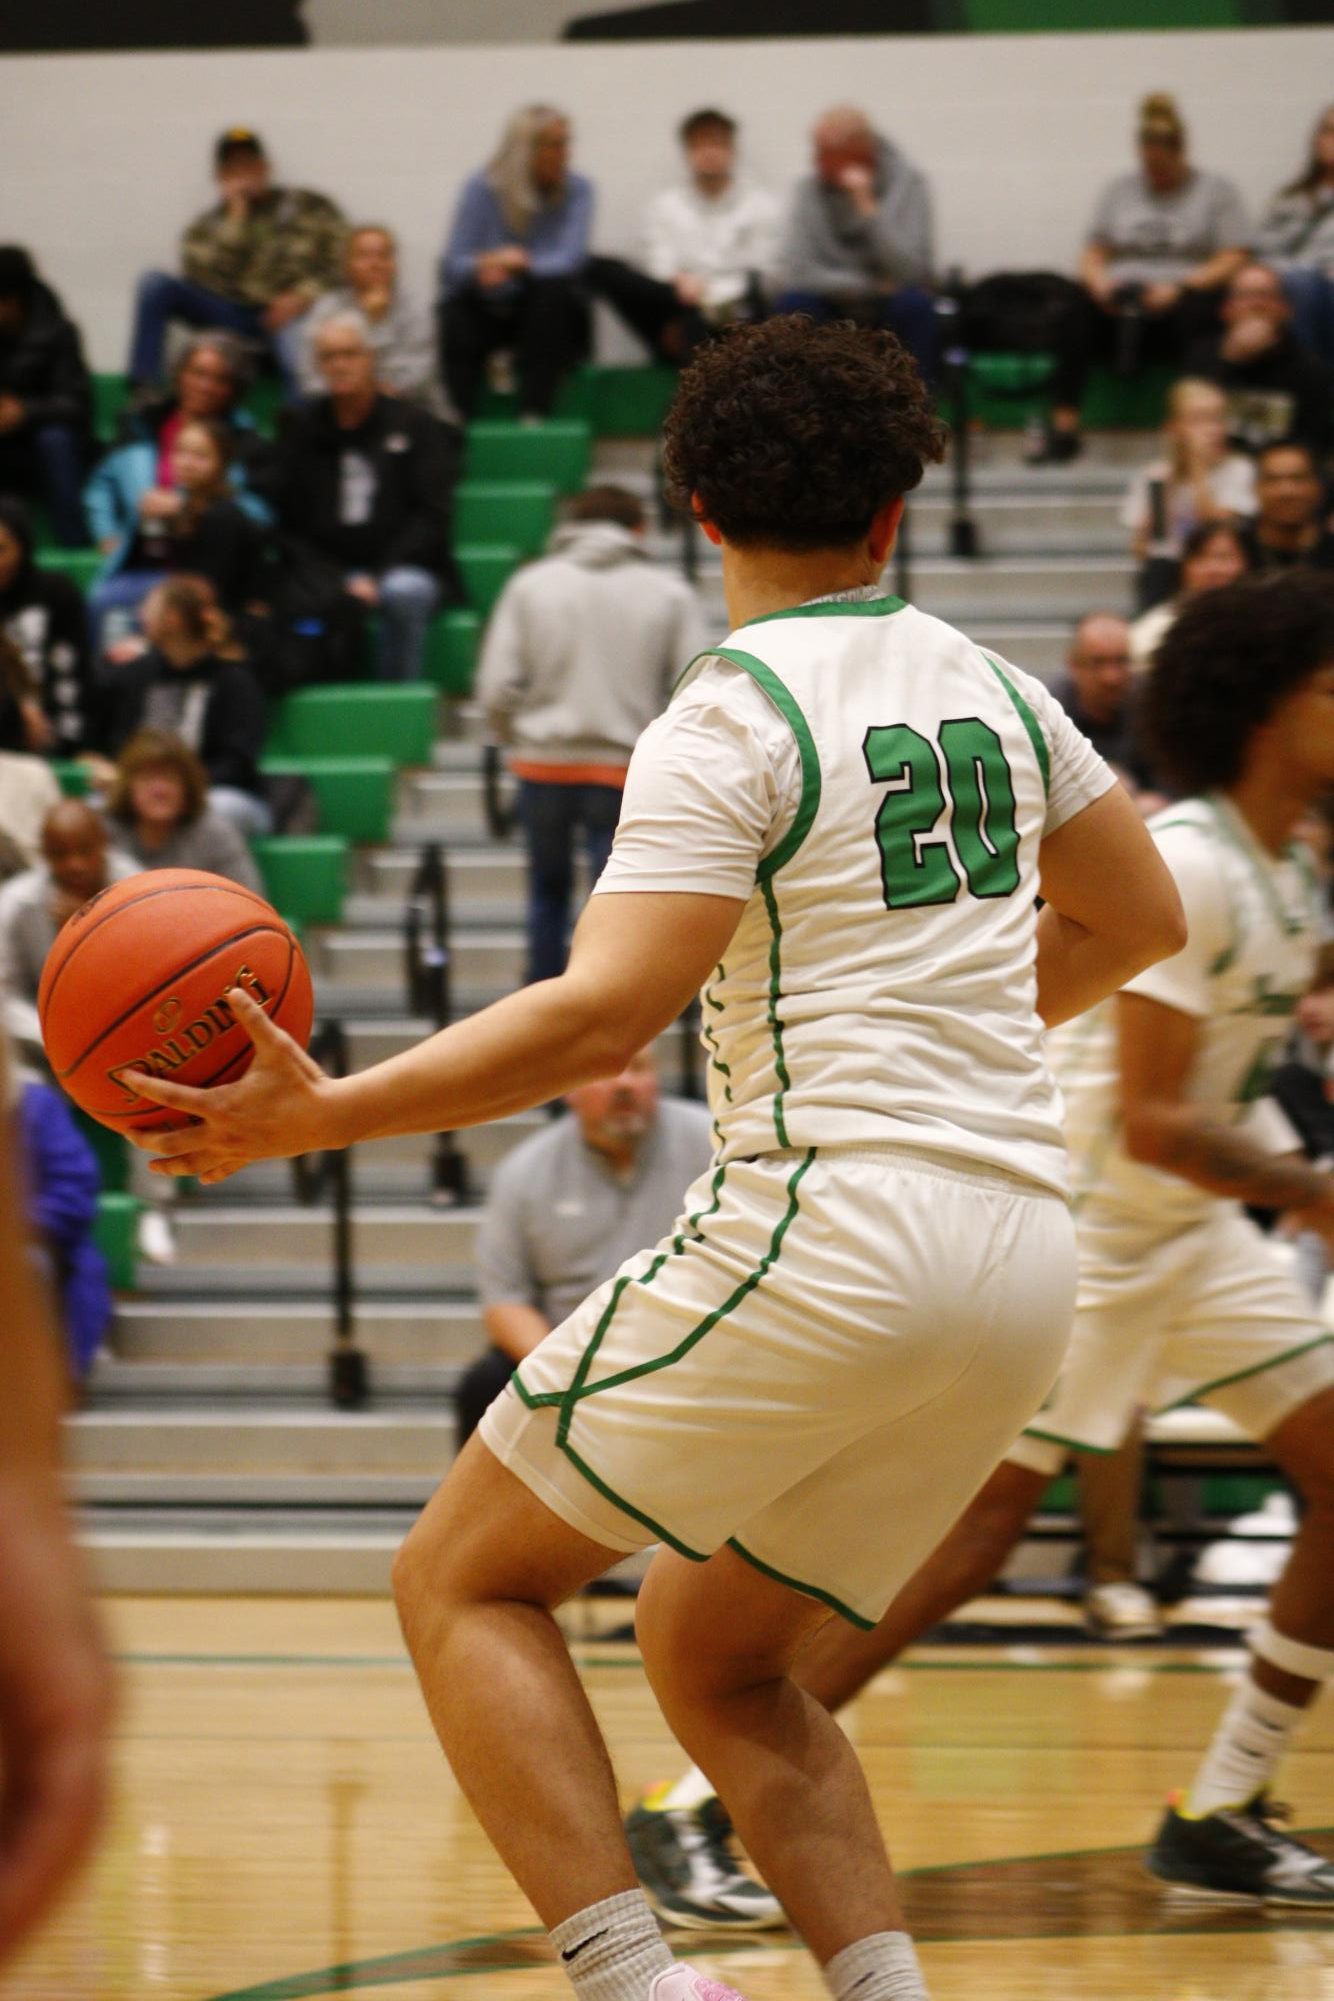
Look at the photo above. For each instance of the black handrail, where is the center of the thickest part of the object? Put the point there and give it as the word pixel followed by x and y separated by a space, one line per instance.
pixel 314 1173
pixel 426 951
pixel 955 361
pixel 499 812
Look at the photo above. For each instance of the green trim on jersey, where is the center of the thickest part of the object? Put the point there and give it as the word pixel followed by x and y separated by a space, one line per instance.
pixel 1234 832
pixel 833 607
pixel 1075 1444
pixel 775 1020
pixel 1029 721
pixel 790 710
pixel 1256 1369
pixel 796 1584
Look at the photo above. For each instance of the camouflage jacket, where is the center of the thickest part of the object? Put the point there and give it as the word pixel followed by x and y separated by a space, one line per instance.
pixel 292 239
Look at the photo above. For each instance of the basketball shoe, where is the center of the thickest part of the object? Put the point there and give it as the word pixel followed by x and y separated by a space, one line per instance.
pixel 1241 1851
pixel 683 1983
pixel 685 1862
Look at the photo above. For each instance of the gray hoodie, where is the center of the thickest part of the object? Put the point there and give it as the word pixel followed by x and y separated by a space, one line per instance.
pixel 832 250
pixel 584 646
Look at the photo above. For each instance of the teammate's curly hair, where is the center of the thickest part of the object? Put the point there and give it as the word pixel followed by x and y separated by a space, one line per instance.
pixel 794 435
pixel 1229 659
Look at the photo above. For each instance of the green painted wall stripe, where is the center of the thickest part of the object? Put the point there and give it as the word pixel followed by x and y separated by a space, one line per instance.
pixel 1028 719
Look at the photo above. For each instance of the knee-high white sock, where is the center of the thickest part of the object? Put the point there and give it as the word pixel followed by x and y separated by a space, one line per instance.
pixel 690 1790
pixel 612 1950
pixel 1256 1727
pixel 882 1967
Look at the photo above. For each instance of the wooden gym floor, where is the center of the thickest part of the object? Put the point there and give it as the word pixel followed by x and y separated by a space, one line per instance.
pixel 285 1827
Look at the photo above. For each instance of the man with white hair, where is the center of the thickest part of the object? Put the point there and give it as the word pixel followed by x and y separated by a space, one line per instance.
pixel 364 491
pixel 858 241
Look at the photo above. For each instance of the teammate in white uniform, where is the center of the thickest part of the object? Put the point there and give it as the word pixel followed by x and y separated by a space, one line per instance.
pixel 1180 1295
pixel 837 830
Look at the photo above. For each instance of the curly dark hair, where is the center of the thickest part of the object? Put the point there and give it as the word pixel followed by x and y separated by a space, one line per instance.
pixel 793 435
pixel 1224 666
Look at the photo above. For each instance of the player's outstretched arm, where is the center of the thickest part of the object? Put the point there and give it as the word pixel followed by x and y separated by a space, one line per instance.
pixel 54 1682
pixel 636 961
pixel 1112 907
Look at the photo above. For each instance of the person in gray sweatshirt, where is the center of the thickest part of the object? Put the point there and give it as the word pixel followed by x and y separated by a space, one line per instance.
pixel 582 651
pixel 858 240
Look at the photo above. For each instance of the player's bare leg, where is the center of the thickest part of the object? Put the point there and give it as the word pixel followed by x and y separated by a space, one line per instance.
pixel 839 1660
pixel 719 1640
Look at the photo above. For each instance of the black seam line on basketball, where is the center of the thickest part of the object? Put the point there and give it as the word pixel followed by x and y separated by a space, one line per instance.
pixel 144 896
pixel 697 1333
pixel 237 938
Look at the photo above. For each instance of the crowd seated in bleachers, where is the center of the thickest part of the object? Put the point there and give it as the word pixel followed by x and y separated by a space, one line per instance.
pixel 511 272
pixel 255 263
pixel 1275 388
pixel 1197 478
pixel 45 398
pixel 42 619
pixel 396 326
pixel 1213 554
pixel 1290 528
pixel 1296 236
pixel 158 811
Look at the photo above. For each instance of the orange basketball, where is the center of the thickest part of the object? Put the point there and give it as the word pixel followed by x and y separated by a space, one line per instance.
pixel 137 982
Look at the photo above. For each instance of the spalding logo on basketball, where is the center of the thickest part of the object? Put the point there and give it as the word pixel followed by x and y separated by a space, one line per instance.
pixel 137 983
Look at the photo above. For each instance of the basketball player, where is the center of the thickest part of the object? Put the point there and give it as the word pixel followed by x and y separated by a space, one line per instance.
pixel 54 1682
pixel 837 830
pixel 1180 1295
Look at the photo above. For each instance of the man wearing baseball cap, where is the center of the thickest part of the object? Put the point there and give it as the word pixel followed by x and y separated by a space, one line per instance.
pixel 254 263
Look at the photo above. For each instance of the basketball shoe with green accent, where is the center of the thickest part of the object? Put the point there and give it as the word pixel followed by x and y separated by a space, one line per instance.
pixel 684 1859
pixel 1241 1851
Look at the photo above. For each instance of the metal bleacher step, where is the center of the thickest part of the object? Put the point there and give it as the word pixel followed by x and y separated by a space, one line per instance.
pixel 381 1167
pixel 193 1441
pixel 1069 523
pixel 975 593
pixel 482 962
pixel 292 1552
pixel 450 800
pixel 482 881
pixel 250 1239
pixel 265 1336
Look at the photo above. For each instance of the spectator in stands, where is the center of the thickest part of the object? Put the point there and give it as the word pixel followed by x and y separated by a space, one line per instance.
pixel 710 245
pixel 1296 236
pixel 1097 692
pixel 254 264
pixel 134 484
pixel 60 1181
pixel 513 267
pixel 1197 479
pixel 1289 529
pixel 42 616
pixel 398 330
pixel 76 862
pixel 191 684
pixel 158 811
pixel 364 496
pixel 581 653
pixel 1275 388
pixel 571 1204
pixel 1213 554
pixel 45 398
pixel 196 525
pixel 28 790
pixel 858 236
pixel 1164 242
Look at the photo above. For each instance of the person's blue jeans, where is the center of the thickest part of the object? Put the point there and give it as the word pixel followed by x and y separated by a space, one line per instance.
pixel 409 598
pixel 161 298
pixel 1311 295
pixel 112 605
pixel 909 312
pixel 554 817
pixel 47 461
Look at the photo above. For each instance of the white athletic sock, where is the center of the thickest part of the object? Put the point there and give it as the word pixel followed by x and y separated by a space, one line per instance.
pixel 1245 1751
pixel 689 1791
pixel 882 1967
pixel 612 1950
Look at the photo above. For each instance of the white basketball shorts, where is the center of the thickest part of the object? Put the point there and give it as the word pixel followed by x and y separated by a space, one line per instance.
pixel 1213 1314
pixel 819 1369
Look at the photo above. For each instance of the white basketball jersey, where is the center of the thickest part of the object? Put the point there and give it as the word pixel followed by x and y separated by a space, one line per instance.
pixel 1253 922
pixel 880 986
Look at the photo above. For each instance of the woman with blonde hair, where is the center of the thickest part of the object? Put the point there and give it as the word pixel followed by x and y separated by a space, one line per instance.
pixel 158 811
pixel 1196 479
pixel 512 269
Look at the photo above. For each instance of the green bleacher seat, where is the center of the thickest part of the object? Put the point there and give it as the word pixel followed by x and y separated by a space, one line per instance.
pixel 305 875
pixel 395 720
pixel 355 794
pixel 72 778
pixel 111 1148
pixel 519 511
pixel 110 395
pixel 486 568
pixel 619 402
pixel 114 1235
pixel 1005 389
pixel 81 564
pixel 452 640
pixel 557 453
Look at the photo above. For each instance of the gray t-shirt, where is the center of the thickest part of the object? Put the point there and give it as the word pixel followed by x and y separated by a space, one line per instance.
pixel 1158 238
pixel 560 1220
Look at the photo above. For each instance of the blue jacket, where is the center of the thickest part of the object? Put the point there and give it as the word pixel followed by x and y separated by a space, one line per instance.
pixel 61 1180
pixel 557 243
pixel 115 487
